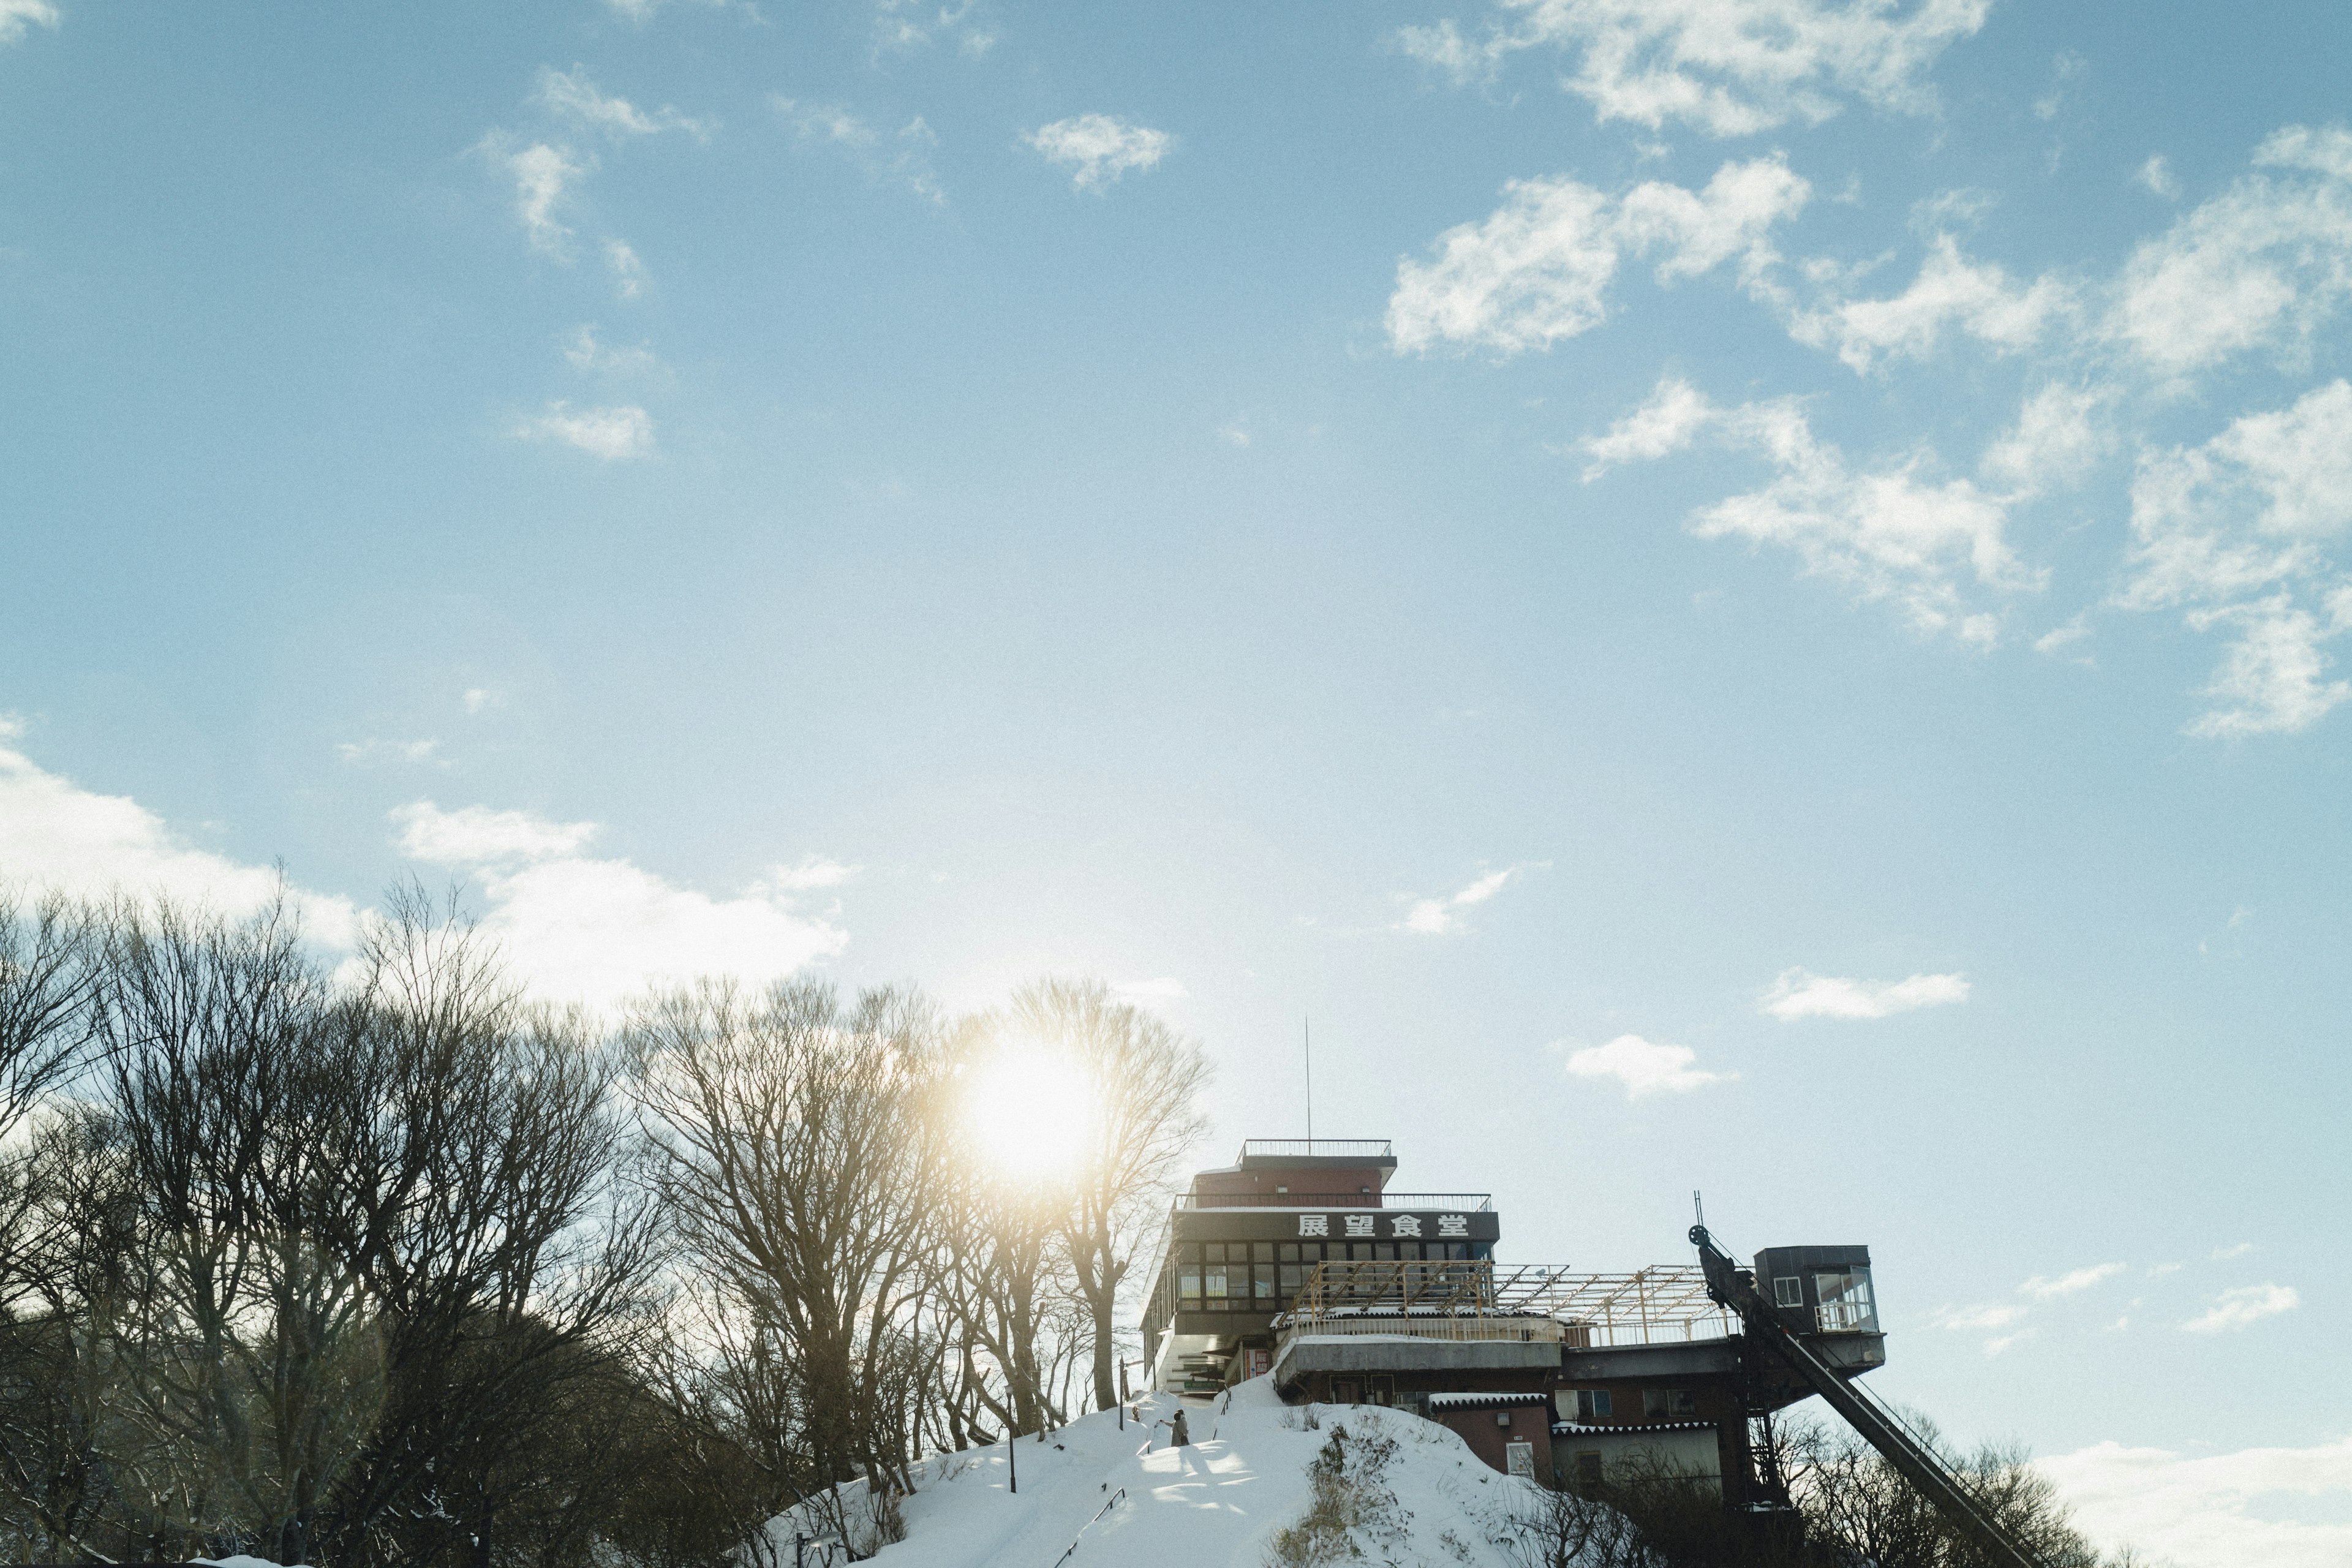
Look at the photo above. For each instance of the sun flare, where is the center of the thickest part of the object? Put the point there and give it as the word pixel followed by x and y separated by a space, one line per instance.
pixel 1029 1111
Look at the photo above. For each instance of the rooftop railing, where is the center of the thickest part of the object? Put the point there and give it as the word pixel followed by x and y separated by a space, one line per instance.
pixel 1458 1203
pixel 1317 1148
pixel 1475 1300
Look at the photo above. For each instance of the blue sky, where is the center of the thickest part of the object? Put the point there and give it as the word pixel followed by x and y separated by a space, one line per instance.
pixel 1744 594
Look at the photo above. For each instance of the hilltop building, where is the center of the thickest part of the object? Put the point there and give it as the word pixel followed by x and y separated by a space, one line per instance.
pixel 1298 1262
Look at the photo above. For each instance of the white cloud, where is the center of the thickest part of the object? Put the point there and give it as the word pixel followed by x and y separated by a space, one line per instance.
pixel 916 23
pixel 474 699
pixel 15 16
pixel 2223 1254
pixel 644 11
pixel 2201 1513
pixel 626 431
pixel 1889 533
pixel 569 95
pixel 2072 1283
pixel 2263 266
pixel 1977 1320
pixel 54 834
pixel 545 176
pixel 1162 992
pixel 628 272
pixel 1797 994
pixel 598 931
pixel 2056 438
pixel 476 835
pixel 2157 175
pixel 1731 68
pixel 814 872
pixel 590 355
pixel 364 753
pixel 2232 532
pixel 1539 268
pixel 1100 147
pixel 1977 297
pixel 1643 1066
pixel 904 159
pixel 2245 1305
pixel 1441 916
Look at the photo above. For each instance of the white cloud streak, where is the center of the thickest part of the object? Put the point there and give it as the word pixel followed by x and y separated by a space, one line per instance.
pixel 2072 1283
pixel 364 754
pixel 1642 1068
pixel 1729 68
pixel 1977 298
pixel 1441 916
pixel 1099 148
pixel 611 434
pixel 569 95
pixel 1799 993
pixel 1538 270
pixel 2243 1307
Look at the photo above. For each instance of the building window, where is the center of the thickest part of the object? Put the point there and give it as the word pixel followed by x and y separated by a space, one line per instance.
pixel 1661 1403
pixel 1592 1403
pixel 1788 1291
pixel 1844 1297
pixel 1214 1276
pixel 1587 1467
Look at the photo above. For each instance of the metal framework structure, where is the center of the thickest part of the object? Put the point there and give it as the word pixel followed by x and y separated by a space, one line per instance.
pixel 1462 1301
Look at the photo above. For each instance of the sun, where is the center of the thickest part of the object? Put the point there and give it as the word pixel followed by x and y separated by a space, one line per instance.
pixel 1030 1110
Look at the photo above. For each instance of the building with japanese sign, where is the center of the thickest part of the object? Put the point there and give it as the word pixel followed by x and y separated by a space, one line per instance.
pixel 1245 1239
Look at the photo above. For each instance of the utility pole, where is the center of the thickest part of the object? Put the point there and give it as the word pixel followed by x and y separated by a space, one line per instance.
pixel 1307 1034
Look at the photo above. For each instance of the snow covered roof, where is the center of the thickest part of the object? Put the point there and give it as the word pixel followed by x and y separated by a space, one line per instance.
pixel 1487 1401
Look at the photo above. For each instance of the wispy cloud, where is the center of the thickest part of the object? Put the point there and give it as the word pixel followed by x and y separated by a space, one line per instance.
pixel 1935 547
pixel 1442 915
pixel 1799 993
pixel 613 434
pixel 571 96
pixel 2223 1254
pixel 1642 1067
pixel 2246 1305
pixel 628 272
pixel 585 351
pixel 368 752
pixel 15 16
pixel 1978 1319
pixel 1099 148
pixel 2072 1283
pixel 903 25
pixel 1538 270
pixel 1728 68
pixel 903 159
pixel 544 177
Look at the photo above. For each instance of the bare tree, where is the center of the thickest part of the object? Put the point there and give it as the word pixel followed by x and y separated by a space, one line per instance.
pixel 1146 1081
pixel 797 1148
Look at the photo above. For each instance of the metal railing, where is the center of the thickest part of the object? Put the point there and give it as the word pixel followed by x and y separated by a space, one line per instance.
pixel 1317 1148
pixel 1467 1300
pixel 1457 1202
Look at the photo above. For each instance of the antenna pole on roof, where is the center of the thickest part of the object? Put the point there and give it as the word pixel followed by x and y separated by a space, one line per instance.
pixel 1698 1208
pixel 1307 1034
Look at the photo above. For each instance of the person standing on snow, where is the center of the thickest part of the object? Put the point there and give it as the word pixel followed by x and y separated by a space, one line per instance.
pixel 1178 1437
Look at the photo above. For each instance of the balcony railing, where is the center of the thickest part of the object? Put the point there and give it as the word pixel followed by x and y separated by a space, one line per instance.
pixel 1316 1148
pixel 1452 1203
pixel 1477 1300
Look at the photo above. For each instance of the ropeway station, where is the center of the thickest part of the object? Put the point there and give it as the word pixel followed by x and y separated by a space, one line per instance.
pixel 1298 1263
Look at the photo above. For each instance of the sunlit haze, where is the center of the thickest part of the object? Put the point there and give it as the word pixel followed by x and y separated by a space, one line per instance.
pixel 1029 1112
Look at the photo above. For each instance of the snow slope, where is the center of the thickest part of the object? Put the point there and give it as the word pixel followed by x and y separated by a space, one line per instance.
pixel 1217 1502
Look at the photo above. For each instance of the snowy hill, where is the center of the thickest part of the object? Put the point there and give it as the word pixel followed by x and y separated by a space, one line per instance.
pixel 1217 1502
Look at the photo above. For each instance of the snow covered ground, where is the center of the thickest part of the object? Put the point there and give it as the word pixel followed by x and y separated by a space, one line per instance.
pixel 1215 1503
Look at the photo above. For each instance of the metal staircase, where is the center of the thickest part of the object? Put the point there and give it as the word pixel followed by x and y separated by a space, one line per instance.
pixel 1734 1289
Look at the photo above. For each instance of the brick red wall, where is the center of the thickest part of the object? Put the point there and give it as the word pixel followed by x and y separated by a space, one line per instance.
pixel 1486 1436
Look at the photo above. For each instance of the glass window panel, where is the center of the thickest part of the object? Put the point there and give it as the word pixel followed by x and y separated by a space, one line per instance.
pixel 1188 1283
pixel 1215 1281
pixel 1409 1250
pixel 1292 1274
pixel 1262 1281
pixel 1290 1252
pixel 1217 1252
pixel 1384 1251
pixel 1262 1251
